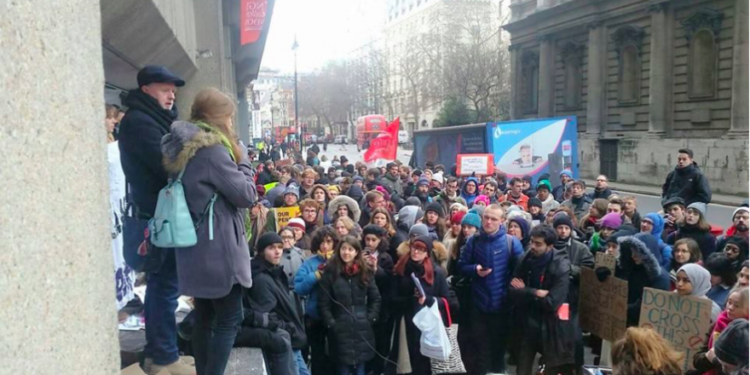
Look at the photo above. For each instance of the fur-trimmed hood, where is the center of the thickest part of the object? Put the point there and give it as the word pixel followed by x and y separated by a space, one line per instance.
pixel 333 206
pixel 439 251
pixel 181 144
pixel 646 247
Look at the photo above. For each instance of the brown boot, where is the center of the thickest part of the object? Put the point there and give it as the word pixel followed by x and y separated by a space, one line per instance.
pixel 176 368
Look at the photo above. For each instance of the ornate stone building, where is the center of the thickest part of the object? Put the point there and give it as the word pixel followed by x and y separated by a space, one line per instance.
pixel 644 78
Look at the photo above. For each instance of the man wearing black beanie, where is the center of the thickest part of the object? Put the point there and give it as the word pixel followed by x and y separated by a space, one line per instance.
pixel 731 347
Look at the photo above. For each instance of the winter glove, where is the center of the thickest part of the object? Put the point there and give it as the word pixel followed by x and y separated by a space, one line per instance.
pixel 602 273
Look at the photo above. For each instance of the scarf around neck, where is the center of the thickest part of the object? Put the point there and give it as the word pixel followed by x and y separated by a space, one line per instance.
pixel 224 140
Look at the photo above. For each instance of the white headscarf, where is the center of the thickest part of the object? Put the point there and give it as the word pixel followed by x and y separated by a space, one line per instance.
pixel 699 277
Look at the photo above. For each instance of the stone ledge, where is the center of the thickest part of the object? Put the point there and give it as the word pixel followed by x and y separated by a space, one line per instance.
pixel 246 361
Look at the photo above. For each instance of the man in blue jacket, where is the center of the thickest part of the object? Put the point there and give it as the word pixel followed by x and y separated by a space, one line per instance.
pixel 488 259
pixel 150 115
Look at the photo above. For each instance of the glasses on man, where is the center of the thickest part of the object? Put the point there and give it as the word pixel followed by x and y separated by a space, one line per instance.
pixel 309 211
pixel 289 237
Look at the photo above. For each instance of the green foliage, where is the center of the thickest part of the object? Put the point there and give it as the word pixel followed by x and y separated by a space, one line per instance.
pixel 454 112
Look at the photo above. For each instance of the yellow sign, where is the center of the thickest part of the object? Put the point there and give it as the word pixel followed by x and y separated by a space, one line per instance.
pixel 284 214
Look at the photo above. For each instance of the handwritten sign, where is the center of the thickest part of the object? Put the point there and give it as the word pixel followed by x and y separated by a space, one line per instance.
pixel 681 320
pixel 603 306
pixel 480 164
pixel 606 260
pixel 282 162
pixel 284 214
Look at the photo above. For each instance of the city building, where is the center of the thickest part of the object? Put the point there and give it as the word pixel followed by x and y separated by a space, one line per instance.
pixel 644 78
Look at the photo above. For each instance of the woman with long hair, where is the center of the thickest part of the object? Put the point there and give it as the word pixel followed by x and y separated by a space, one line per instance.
pixel 375 244
pixel 382 218
pixel 589 222
pixel 255 223
pixel 454 230
pixel 319 193
pixel 643 351
pixel 306 283
pixel 344 226
pixel 406 301
pixel 217 178
pixel 349 305
pixel 685 251
pixel 737 308
pixel 434 218
pixel 695 225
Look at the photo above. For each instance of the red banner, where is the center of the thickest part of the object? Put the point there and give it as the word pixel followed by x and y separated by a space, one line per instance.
pixel 252 17
pixel 385 145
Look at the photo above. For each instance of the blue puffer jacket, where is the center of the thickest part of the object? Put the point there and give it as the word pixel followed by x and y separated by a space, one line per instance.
pixel 306 284
pixel 666 250
pixel 491 251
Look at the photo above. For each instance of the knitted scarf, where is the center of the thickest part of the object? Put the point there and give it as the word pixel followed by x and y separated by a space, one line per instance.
pixel 224 140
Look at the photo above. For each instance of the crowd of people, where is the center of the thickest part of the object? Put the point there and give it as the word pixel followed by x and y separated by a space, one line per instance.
pixel 335 290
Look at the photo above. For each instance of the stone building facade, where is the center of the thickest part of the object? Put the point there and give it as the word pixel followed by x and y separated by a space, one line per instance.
pixel 643 77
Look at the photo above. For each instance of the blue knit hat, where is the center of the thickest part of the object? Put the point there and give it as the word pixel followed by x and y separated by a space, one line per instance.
pixel 423 181
pixel 567 173
pixel 472 219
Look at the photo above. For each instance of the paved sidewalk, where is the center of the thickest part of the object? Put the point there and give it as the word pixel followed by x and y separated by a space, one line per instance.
pixel 729 200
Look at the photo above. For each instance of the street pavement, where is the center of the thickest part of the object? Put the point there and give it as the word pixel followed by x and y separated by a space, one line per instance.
pixel 718 214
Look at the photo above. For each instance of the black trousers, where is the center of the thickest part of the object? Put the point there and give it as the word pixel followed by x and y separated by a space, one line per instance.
pixel 483 338
pixel 383 335
pixel 320 360
pixel 529 344
pixel 276 346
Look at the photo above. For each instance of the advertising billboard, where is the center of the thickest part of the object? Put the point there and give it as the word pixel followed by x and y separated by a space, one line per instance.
pixel 534 147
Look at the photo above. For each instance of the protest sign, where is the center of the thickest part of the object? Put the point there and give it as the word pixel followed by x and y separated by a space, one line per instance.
pixel 479 164
pixel 606 260
pixel 681 320
pixel 603 306
pixel 284 214
pixel 283 162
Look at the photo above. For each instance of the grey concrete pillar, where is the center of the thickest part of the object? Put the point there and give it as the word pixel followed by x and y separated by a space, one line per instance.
pixel 596 101
pixel 515 111
pixel 242 127
pixel 660 83
pixel 546 76
pixel 740 117
pixel 56 267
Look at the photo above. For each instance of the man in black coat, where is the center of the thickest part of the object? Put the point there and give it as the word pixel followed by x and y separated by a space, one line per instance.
pixel 686 181
pixel 539 291
pixel 270 293
pixel 601 189
pixel 151 112
pixel 266 176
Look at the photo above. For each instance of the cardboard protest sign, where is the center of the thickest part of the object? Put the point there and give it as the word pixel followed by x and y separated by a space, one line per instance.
pixel 284 214
pixel 603 306
pixel 606 260
pixel 681 320
pixel 283 162
pixel 479 164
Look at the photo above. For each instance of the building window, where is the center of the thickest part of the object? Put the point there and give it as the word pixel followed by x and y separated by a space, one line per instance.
pixel 702 30
pixel 530 76
pixel 628 43
pixel 572 58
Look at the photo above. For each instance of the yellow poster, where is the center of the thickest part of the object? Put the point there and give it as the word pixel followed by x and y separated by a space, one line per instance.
pixel 284 214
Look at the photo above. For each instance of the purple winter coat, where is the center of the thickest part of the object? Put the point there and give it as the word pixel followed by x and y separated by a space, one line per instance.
pixel 211 267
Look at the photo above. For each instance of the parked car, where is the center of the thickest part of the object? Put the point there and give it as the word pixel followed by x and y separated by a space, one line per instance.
pixel 341 139
pixel 403 137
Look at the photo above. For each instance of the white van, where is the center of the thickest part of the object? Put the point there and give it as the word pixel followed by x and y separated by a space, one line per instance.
pixel 403 137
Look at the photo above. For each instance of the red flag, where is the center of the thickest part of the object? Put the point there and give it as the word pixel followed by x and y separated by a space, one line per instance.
pixel 385 145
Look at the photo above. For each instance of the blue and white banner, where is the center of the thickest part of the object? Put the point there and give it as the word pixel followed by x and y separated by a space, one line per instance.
pixel 534 147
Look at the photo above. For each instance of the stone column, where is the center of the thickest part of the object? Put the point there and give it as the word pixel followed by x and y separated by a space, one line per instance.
pixel 515 73
pixel 740 116
pixel 546 76
pixel 596 101
pixel 58 282
pixel 660 83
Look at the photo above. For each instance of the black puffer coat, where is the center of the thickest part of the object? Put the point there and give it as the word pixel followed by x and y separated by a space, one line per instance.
pixel 350 332
pixel 687 183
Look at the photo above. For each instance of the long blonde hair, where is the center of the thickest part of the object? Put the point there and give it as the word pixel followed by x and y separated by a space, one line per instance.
pixel 642 351
pixel 217 109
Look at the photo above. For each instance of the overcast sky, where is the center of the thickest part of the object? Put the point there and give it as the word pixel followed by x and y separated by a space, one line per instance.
pixel 326 30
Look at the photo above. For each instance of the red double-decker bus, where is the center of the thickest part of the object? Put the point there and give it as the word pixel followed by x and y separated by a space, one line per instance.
pixel 368 127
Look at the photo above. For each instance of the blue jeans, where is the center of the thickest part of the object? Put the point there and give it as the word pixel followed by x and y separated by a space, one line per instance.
pixel 303 370
pixel 159 308
pixel 352 370
pixel 216 324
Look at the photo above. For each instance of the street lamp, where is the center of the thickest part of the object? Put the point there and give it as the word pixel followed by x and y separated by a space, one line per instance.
pixel 296 97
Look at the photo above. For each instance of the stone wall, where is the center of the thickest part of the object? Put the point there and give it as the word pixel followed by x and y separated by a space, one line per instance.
pixel 648 161
pixel 57 285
